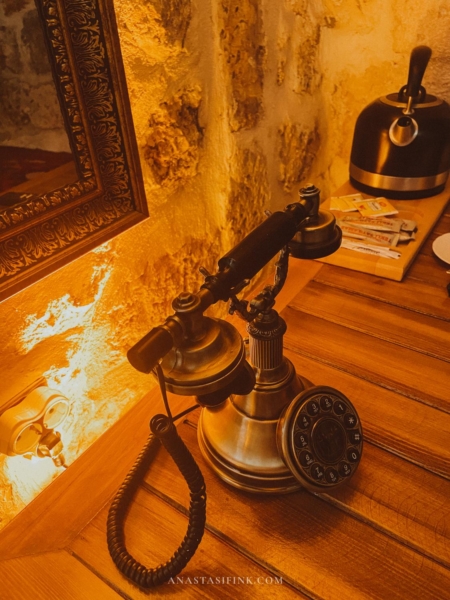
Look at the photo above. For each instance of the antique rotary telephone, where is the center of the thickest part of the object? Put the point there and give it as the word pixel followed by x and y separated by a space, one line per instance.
pixel 262 427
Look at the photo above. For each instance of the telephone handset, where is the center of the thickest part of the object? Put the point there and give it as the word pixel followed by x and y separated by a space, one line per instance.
pixel 263 428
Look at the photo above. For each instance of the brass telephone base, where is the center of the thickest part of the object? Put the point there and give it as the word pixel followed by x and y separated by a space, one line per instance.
pixel 238 438
pixel 281 482
pixel 316 443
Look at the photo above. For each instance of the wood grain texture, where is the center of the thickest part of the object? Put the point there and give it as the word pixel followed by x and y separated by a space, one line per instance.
pixel 155 530
pixel 385 535
pixel 402 499
pixel 416 331
pixel 425 212
pixel 51 576
pixel 430 270
pixel 79 492
pixel 320 549
pixel 390 420
pixel 413 294
pixel 420 377
pixel 441 227
pixel 396 496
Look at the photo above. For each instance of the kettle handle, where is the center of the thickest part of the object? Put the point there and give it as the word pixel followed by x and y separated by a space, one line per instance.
pixel 417 65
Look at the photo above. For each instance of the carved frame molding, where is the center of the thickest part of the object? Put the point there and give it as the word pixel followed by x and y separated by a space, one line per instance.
pixel 39 236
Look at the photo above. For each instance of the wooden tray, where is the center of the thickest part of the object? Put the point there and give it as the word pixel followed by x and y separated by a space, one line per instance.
pixel 425 212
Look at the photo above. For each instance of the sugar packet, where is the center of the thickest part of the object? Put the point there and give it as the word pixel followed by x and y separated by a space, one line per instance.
pixel 370 249
pixel 383 238
pixel 375 207
pixel 377 223
pixel 344 203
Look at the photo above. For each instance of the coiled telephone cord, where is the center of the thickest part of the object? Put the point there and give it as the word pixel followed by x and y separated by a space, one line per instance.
pixel 163 431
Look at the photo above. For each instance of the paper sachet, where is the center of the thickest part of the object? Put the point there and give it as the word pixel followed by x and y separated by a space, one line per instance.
pixel 375 207
pixel 404 227
pixel 378 223
pixel 344 203
pixel 384 238
pixel 372 249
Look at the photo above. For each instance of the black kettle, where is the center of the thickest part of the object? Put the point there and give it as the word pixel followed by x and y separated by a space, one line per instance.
pixel 401 143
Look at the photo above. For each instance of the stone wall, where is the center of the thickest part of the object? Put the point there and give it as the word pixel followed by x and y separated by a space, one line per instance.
pixel 30 113
pixel 364 52
pixel 235 105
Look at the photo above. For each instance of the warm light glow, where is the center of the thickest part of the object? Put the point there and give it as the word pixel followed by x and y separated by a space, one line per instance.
pixel 29 476
pixel 89 353
pixel 61 316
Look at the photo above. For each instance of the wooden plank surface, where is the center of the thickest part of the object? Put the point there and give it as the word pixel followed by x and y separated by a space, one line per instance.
pixel 401 499
pixel 321 550
pixel 417 331
pixel 379 361
pixel 51 576
pixel 93 477
pixel 441 227
pixel 385 535
pixel 425 212
pixel 390 420
pixel 155 529
pixel 424 269
pixel 417 295
pixel 395 495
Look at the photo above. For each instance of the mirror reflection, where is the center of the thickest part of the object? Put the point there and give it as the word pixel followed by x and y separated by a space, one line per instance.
pixel 55 208
pixel 35 154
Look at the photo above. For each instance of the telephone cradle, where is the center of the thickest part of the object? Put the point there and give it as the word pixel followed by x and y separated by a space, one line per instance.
pixel 262 428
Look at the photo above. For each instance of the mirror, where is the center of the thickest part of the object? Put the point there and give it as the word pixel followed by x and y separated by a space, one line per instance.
pixel 78 204
pixel 33 138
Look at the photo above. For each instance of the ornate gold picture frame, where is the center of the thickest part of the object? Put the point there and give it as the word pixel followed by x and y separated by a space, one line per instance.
pixel 40 235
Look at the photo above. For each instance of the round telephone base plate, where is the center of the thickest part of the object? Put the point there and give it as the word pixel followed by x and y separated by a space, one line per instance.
pixel 280 483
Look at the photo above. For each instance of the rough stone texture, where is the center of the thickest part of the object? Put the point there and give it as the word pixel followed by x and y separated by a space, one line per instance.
pixel 31 116
pixel 75 327
pixel 432 21
pixel 163 78
pixel 7 499
pixel 12 6
pixel 306 43
pixel 33 42
pixel 172 145
pixel 177 272
pixel 10 59
pixel 175 17
pixel 249 193
pixel 282 48
pixel 308 68
pixel 298 46
pixel 365 49
pixel 224 148
pixel 244 50
pixel 297 149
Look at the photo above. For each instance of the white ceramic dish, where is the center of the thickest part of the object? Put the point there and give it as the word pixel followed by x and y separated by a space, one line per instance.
pixel 441 247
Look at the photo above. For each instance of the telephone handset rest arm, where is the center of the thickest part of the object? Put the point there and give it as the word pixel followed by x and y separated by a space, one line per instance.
pixel 238 266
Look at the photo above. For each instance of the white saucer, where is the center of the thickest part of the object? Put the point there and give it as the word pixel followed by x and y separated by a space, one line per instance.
pixel 441 247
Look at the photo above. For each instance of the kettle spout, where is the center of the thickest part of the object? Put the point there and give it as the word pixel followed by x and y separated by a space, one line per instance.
pixel 403 131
